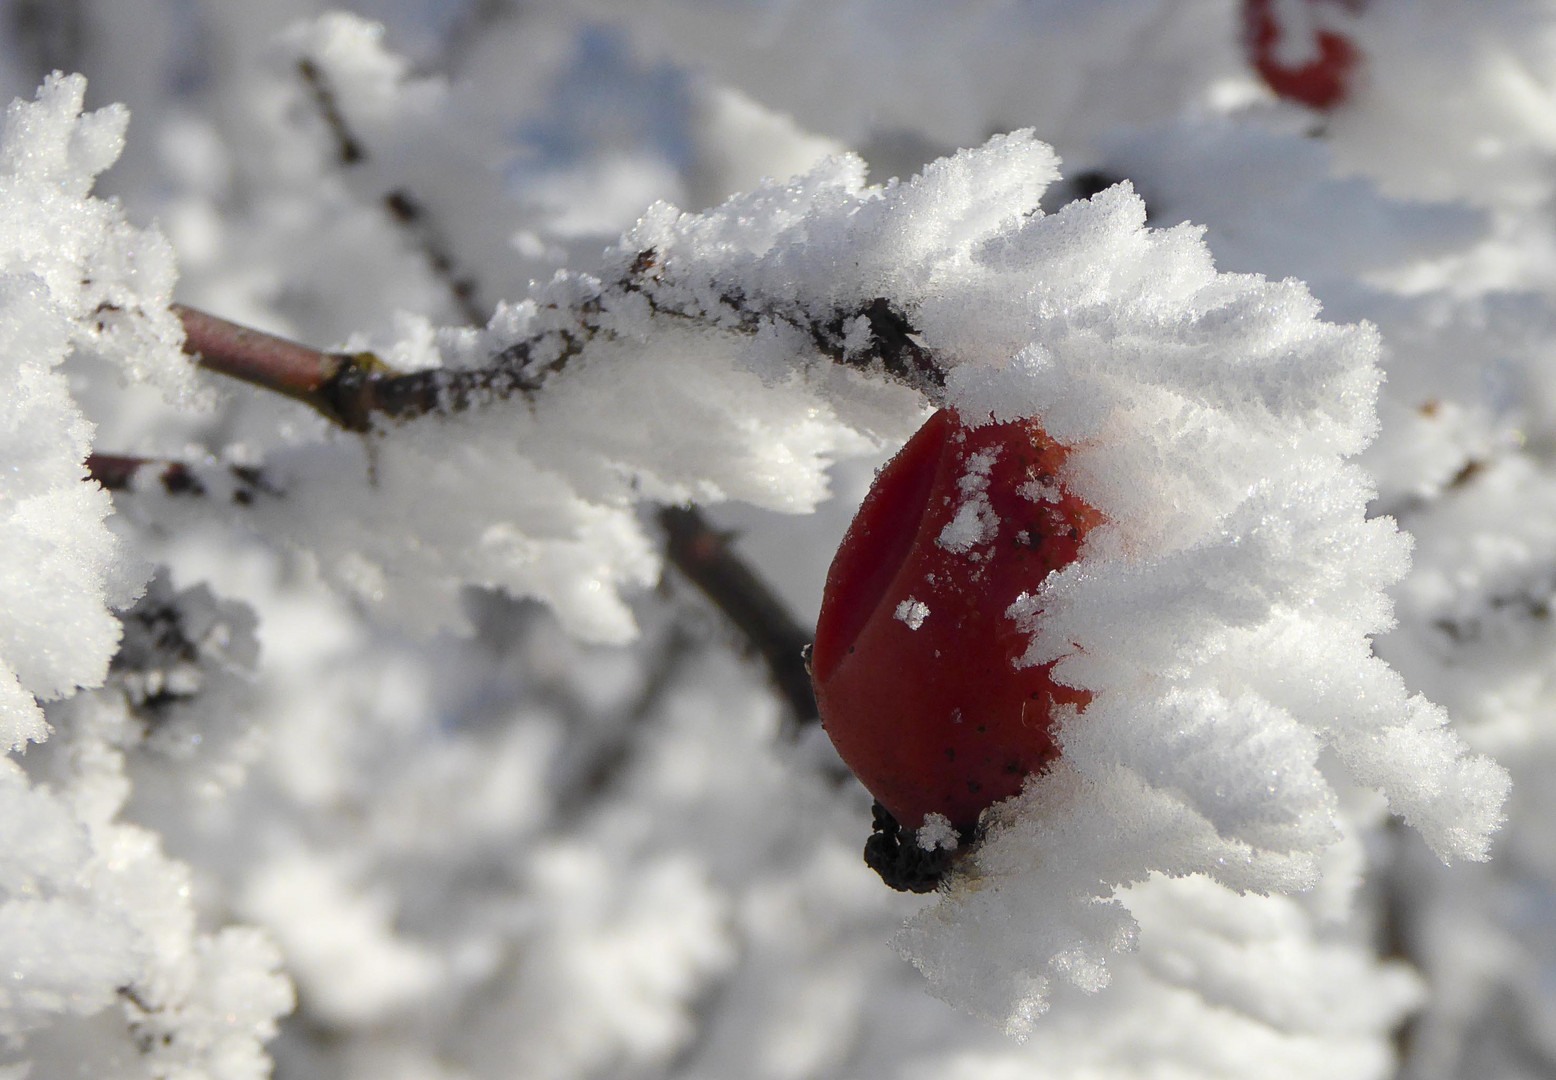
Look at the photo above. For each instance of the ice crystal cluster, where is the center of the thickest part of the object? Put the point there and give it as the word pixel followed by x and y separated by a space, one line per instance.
pixel 414 752
pixel 97 920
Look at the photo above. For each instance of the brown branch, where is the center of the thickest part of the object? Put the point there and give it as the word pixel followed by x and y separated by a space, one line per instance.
pixel 896 343
pixel 705 556
pixel 351 389
pixel 270 362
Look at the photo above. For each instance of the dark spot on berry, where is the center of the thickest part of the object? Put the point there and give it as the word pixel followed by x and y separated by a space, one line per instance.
pixel 983 729
pixel 950 755
pixel 974 787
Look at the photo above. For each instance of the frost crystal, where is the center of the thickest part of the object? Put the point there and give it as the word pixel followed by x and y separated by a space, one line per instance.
pixel 912 612
pixel 97 929
pixel 936 833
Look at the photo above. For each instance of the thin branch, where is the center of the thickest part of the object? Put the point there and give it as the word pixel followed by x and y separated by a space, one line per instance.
pixel 409 212
pixel 272 363
pixel 610 759
pixel 1395 931
pixel 352 389
pixel 705 556
pixel 402 206
pixel 347 147
pixel 355 391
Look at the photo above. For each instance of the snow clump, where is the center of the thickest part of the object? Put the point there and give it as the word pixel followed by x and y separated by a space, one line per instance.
pixel 74 278
pixel 97 925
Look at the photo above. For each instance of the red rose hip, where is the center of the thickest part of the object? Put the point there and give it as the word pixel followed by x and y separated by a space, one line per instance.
pixel 1323 79
pixel 915 658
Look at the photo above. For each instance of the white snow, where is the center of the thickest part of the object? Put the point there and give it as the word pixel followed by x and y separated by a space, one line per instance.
pixel 580 839
pixel 912 613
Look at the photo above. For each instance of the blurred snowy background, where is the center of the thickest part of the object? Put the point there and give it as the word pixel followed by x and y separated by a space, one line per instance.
pixel 429 768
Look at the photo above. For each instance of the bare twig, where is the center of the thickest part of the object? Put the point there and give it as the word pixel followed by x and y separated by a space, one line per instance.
pixel 402 205
pixel 411 215
pixel 347 146
pixel 355 391
pixel 275 364
pixel 351 389
pixel 613 755
pixel 705 556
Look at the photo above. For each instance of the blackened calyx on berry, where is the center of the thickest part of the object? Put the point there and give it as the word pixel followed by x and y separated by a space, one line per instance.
pixel 895 854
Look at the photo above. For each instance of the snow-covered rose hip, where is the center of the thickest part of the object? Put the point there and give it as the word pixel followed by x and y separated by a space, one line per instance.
pixel 915 656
